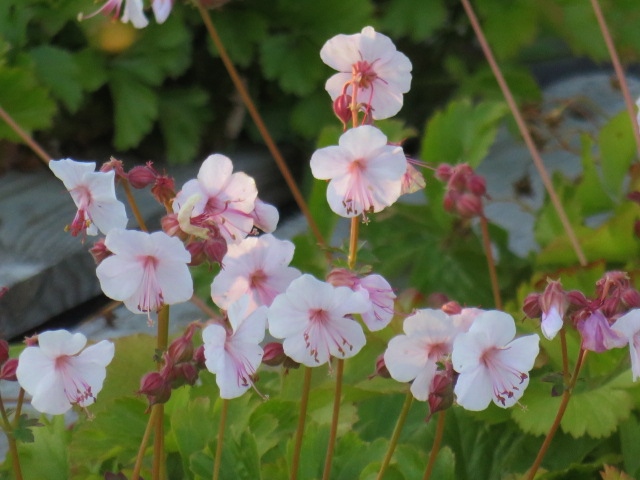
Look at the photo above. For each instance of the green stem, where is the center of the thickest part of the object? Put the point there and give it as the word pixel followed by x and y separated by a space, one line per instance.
pixel 257 119
pixel 134 205
pixel 396 435
pixel 437 441
pixel 26 138
pixel 143 444
pixel 337 397
pixel 556 423
pixel 486 243
pixel 162 342
pixel 617 66
pixel 13 445
pixel 304 400
pixel 524 131
pixel 221 427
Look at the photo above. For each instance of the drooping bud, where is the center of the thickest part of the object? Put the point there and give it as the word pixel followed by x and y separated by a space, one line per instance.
pixel 152 383
pixel 444 172
pixel 342 108
pixel 477 185
pixel 531 305
pixel 184 373
pixel 451 308
pixel 577 298
pixel 8 370
pixel 469 205
pixel 4 351
pixel 554 304
pixel 196 249
pixel 142 176
pixel 198 358
pixel 181 349
pixel 99 251
pixel 380 368
pixel 441 391
pixel 164 189
pixel 631 298
pixel 273 354
pixel 215 246
pixel 341 277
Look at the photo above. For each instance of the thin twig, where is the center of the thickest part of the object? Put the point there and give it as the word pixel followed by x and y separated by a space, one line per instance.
pixel 617 66
pixel 26 138
pixel 262 128
pixel 524 131
pixel 304 400
pixel 143 443
pixel 223 421
pixel 337 399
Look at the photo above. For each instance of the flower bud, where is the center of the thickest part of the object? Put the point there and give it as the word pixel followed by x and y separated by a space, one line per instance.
pixel 184 373
pixel 341 277
pixel 342 108
pixel 631 298
pixel 196 249
pixel 477 185
pixel 577 298
pixel 115 165
pixel 444 172
pixel 380 369
pixel 4 351
pixel 440 391
pixel 164 190
pixel 215 248
pixel 469 205
pixel 273 354
pixel 99 251
pixel 198 358
pixel 531 306
pixel 181 349
pixel 449 200
pixel 451 308
pixel 142 176
pixel 171 226
pixel 8 370
pixel 152 383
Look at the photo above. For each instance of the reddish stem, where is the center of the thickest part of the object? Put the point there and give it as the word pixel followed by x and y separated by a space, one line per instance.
pixel 437 441
pixel 26 138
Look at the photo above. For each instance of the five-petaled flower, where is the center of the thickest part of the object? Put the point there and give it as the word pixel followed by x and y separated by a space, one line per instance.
pixel 492 365
pixel 224 198
pixel 234 354
pixel 258 266
pixel 94 194
pixel 370 69
pixel 313 318
pixel 58 373
pixel 366 173
pixel 146 271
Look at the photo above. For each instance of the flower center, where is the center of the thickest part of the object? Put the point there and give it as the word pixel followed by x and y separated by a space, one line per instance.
pixel 506 379
pixel 151 298
pixel 363 73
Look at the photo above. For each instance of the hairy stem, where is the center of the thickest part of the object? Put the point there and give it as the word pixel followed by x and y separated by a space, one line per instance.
pixel 617 66
pixel 221 427
pixel 524 131
pixel 353 242
pixel 262 128
pixel 302 416
pixel 402 417
pixel 337 397
pixel 486 243
pixel 556 422
pixel 437 441
pixel 26 138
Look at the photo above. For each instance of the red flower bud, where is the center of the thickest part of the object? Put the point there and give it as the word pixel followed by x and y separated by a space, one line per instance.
pixel 164 190
pixel 380 369
pixel 152 383
pixel 477 185
pixel 196 249
pixel 99 251
pixel 631 298
pixel 273 354
pixel 451 308
pixel 199 358
pixel 4 351
pixel 142 176
pixel 181 349
pixel 342 108
pixel 215 248
pixel 531 306
pixel 469 205
pixel 8 370
pixel 444 172
pixel 341 277
pixel 577 298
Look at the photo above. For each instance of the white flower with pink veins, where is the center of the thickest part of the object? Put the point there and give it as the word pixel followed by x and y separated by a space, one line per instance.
pixel 365 172
pixel 369 61
pixel 60 372
pixel 94 194
pixel 259 267
pixel 146 271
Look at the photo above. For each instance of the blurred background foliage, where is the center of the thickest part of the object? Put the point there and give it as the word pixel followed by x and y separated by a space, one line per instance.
pixel 92 88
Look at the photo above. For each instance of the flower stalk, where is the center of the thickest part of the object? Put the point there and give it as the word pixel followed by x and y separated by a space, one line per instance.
pixel 302 416
pixel 437 441
pixel 221 427
pixel 26 138
pixel 395 436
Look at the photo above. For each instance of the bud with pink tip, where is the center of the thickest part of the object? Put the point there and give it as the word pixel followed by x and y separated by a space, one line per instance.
pixel 477 185
pixel 631 298
pixel 116 166
pixel 199 358
pixel 342 108
pixel 469 205
pixel 164 189
pixel 99 251
pixel 554 304
pixel 273 354
pixel 181 349
pixel 380 369
pixel 341 277
pixel 441 391
pixel 152 383
pixel 444 172
pixel 451 308
pixel 8 370
pixel 142 176
pixel 531 305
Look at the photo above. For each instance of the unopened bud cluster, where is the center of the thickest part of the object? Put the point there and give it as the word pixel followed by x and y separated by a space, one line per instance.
pixel 465 190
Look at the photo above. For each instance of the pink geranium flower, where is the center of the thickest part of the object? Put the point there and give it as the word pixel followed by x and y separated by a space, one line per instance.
pixel 58 373
pixel 313 317
pixel 428 340
pixel 146 271
pixel 132 12
pixel 225 198
pixel 259 267
pixel 370 68
pixel 628 325
pixel 366 174
pixel 598 335
pixel 234 355
pixel 491 364
pixel 94 194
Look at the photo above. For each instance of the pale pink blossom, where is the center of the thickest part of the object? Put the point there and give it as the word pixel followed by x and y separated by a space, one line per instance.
pixel 58 373
pixel 257 267
pixel 234 355
pixel 628 325
pixel 146 271
pixel 597 334
pixel 225 198
pixel 554 304
pixel 369 62
pixel 132 12
pixel 313 318
pixel 265 216
pixel 94 194
pixel 365 172
pixel 412 180
pixel 416 355
pixel 161 9
pixel 491 364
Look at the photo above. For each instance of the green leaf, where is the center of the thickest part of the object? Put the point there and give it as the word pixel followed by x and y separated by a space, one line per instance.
pixel 617 150
pixel 240 31
pixel 47 456
pixel 56 68
pixel 135 109
pixel 93 68
pixel 25 100
pixel 590 194
pixel 509 29
pixel 183 115
pixel 353 455
pixel 22 432
pixel 190 432
pixel 630 443
pixel 292 62
pixel 462 133
pixel 418 20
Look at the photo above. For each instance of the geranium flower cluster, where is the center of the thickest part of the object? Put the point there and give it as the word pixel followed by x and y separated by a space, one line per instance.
pixel 472 353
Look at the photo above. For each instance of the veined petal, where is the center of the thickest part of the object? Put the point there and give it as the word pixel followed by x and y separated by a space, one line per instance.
pixel 474 390
pixel 71 173
pixel 54 343
pixel 406 357
pixel 330 162
pixel 214 174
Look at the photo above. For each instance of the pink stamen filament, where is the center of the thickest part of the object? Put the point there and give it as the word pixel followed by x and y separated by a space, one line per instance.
pixel 359 193
pixel 506 380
